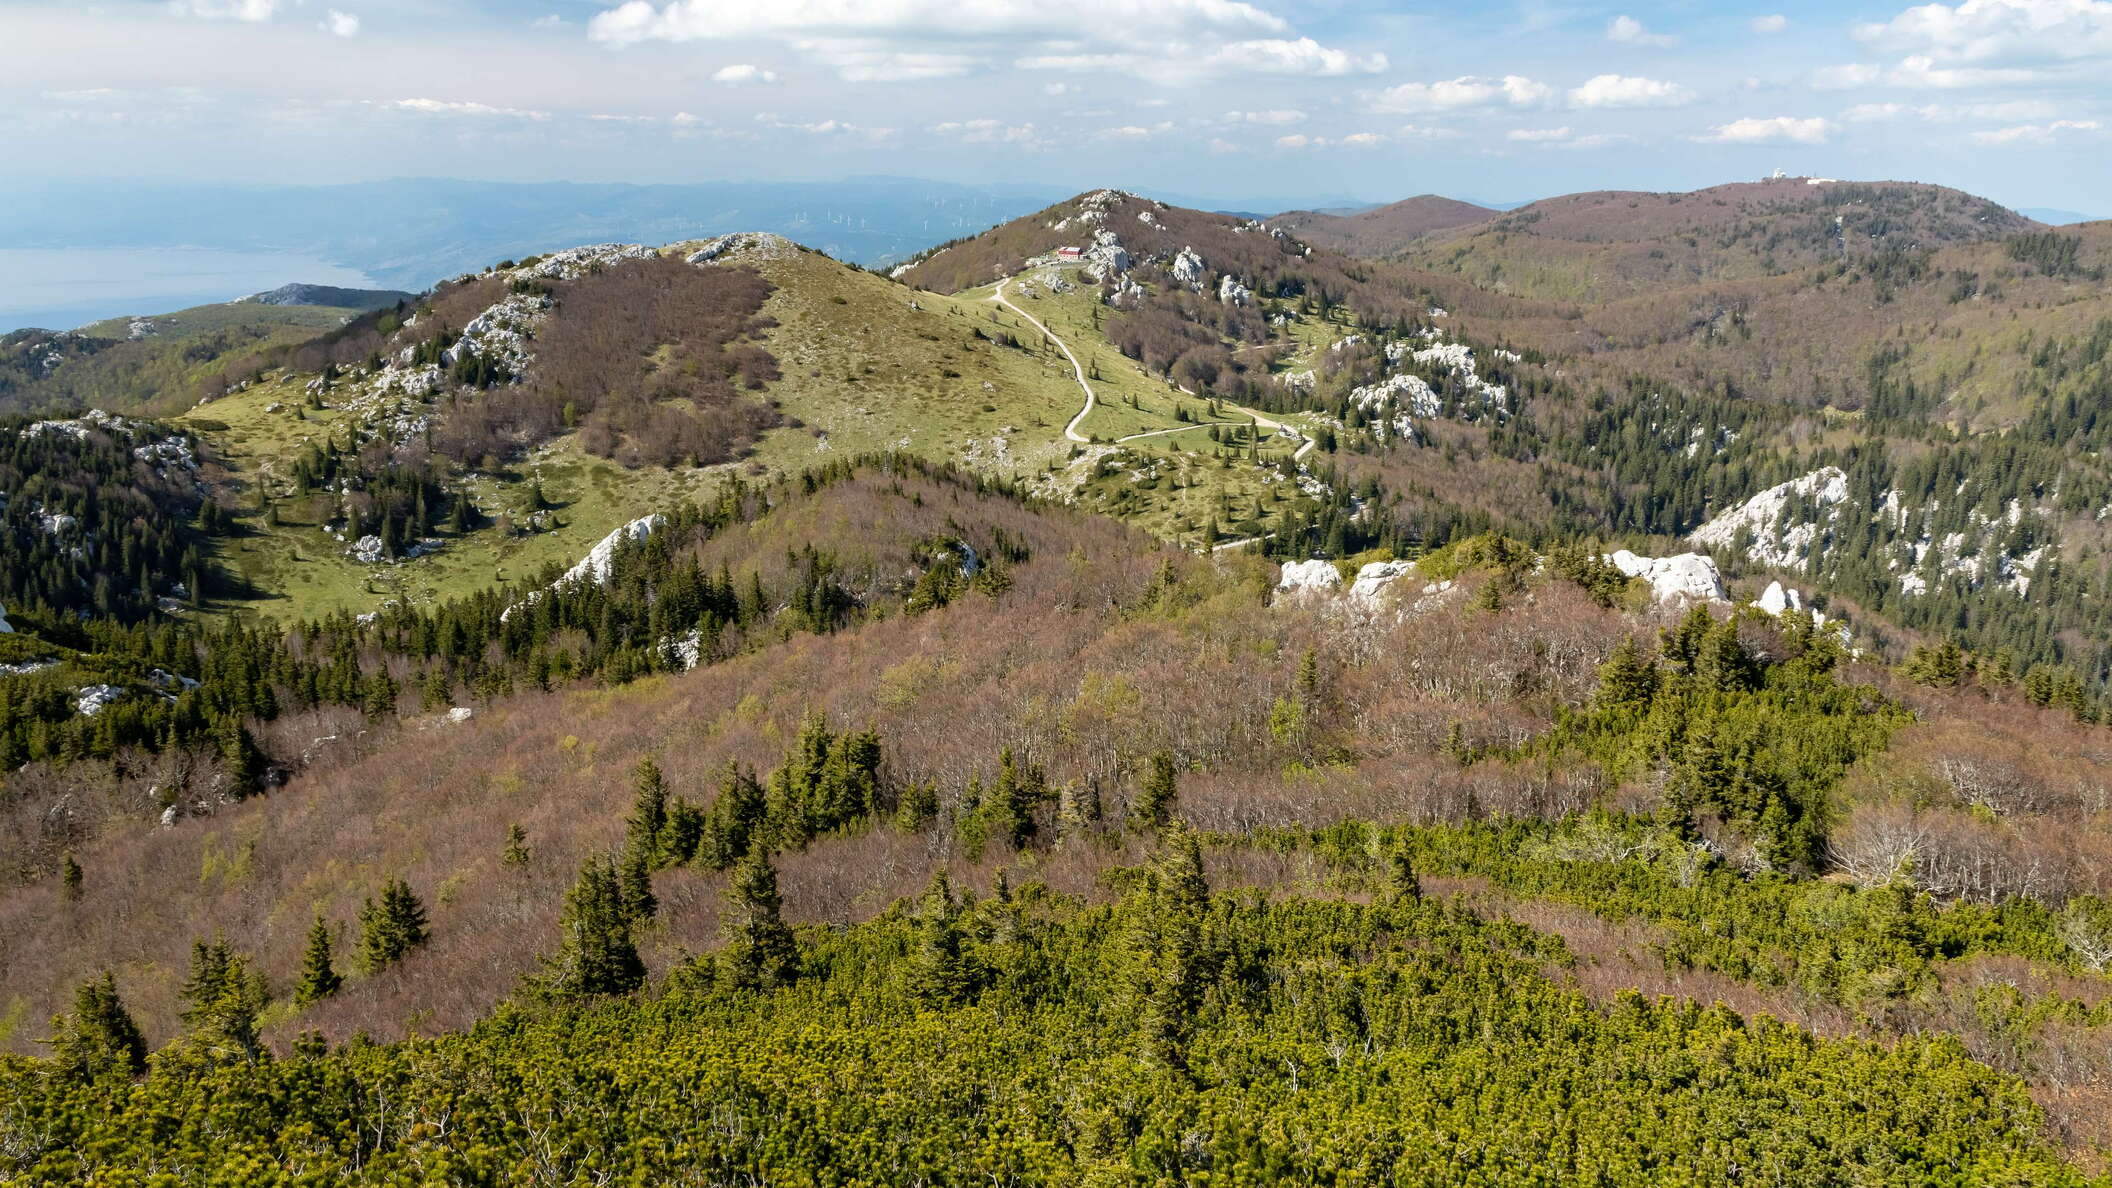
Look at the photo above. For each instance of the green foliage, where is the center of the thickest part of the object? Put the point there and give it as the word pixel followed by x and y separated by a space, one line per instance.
pixel 596 955
pixel 223 999
pixel 99 1038
pixel 392 928
pixel 1174 1037
pixel 319 977
pixel 760 952
pixel 1157 795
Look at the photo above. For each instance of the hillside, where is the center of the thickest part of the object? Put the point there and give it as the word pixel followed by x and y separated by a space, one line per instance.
pixel 717 666
pixel 158 363
pixel 1382 231
pixel 1380 789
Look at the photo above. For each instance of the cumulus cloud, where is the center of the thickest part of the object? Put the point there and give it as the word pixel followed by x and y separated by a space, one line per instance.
pixel 1772 130
pixel 1616 90
pixel 837 129
pixel 1950 113
pixel 1294 141
pixel 987 131
pixel 1627 30
pixel 1982 32
pixel 1563 138
pixel 226 10
pixel 1363 140
pixel 1135 131
pixel 743 73
pixel 1458 94
pixel 341 24
pixel 1772 23
pixel 2035 133
pixel 442 107
pixel 895 40
pixel 1276 118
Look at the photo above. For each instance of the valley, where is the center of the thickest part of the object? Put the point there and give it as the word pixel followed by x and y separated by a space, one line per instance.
pixel 1135 695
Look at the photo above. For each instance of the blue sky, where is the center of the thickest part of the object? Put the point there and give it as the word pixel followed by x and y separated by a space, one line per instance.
pixel 1223 98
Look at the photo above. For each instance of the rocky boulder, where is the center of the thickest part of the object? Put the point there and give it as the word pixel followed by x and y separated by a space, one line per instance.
pixel 1301 577
pixel 1375 577
pixel 1688 577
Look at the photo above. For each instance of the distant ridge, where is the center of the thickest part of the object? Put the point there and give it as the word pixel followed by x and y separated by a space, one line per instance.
pixel 331 296
pixel 1385 229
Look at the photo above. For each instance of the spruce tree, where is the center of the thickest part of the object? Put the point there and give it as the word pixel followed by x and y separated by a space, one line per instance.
pixel 941 972
pixel 100 1038
pixel 761 952
pixel 596 955
pixel 391 928
pixel 69 879
pixel 516 852
pixel 1161 787
pixel 319 978
pixel 223 999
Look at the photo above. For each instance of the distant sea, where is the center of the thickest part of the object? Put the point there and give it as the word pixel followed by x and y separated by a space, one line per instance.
pixel 63 288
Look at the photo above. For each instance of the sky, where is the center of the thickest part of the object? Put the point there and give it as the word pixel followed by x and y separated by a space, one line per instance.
pixel 1320 99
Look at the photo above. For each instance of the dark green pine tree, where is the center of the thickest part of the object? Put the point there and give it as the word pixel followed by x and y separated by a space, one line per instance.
pixel 100 1037
pixel 596 955
pixel 1402 885
pixel 516 852
pixel 941 972
pixel 1156 797
pixel 761 952
pixel 69 879
pixel 223 999
pixel 392 928
pixel 1626 679
pixel 319 977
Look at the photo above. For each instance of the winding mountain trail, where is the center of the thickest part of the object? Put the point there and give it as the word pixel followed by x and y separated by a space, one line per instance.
pixel 1070 430
pixel 1091 401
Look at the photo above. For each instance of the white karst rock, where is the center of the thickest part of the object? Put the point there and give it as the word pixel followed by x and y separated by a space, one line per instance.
pixel 1187 268
pixel 594 567
pixel 1778 598
pixel 1300 577
pixel 1773 543
pixel 1375 577
pixel 1231 292
pixel 91 700
pixel 1107 257
pixel 6 628
pixel 1688 577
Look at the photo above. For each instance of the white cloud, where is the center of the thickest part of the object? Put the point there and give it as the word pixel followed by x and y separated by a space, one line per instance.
pixel 1424 132
pixel 831 128
pixel 1221 146
pixel 341 24
pixel 1627 30
pixel 1951 113
pixel 1458 94
pixel 1135 131
pixel 1772 130
pixel 1057 89
pixel 1165 41
pixel 1363 140
pixel 690 20
pixel 1564 138
pixel 226 10
pixel 1979 32
pixel 987 131
pixel 1615 90
pixel 1294 141
pixel 1848 77
pixel 442 107
pixel 1772 23
pixel 742 73
pixel 551 21
pixel 1278 118
pixel 2035 133
pixel 1302 57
